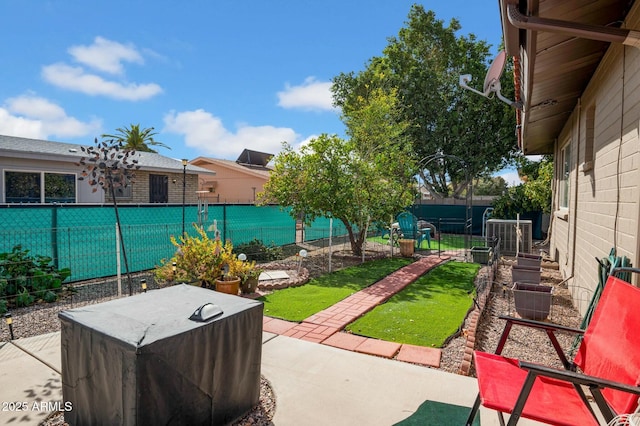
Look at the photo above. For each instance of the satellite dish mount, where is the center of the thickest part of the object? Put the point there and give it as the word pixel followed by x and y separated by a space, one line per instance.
pixel 491 81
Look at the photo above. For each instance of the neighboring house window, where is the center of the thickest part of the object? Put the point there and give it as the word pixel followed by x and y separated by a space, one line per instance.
pixel 589 139
pixel 565 171
pixel 59 188
pixel 27 187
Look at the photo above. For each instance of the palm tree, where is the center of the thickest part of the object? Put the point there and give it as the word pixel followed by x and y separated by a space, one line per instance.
pixel 133 138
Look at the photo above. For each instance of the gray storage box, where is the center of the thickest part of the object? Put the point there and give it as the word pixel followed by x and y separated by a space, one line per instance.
pixel 525 274
pixel 533 301
pixel 525 259
pixel 140 360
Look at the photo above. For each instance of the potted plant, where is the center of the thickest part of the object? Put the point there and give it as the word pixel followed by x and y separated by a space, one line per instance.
pixel 198 259
pixel 249 274
pixel 229 281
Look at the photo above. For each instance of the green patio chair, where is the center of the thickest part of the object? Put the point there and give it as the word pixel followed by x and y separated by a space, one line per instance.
pixel 409 229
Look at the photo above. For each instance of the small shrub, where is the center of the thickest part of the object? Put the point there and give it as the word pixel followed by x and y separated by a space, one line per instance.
pixel 24 298
pixel 258 251
pixel 25 278
pixel 198 259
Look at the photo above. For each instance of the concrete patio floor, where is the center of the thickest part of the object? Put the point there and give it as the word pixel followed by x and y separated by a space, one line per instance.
pixel 314 384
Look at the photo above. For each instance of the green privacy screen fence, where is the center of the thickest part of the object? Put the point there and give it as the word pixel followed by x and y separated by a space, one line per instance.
pixel 84 238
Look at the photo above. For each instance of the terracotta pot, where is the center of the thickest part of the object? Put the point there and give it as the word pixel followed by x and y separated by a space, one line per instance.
pixel 249 286
pixel 228 286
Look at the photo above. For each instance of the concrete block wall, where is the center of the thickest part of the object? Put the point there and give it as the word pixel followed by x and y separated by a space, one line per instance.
pixel 604 207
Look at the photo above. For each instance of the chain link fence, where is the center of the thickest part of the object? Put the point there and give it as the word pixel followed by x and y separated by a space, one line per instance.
pixel 84 241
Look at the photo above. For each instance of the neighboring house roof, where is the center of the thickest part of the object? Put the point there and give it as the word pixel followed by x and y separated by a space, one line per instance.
pixel 11 146
pixel 254 170
pixel 557 46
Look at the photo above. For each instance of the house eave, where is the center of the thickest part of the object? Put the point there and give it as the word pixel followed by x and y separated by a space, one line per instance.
pixel 559 45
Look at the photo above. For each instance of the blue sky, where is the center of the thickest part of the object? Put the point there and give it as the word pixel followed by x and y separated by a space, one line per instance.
pixel 212 77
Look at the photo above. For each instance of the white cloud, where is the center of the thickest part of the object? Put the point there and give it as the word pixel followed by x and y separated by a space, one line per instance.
pixel 310 95
pixel 31 116
pixel 76 79
pixel 103 56
pixel 106 55
pixel 207 133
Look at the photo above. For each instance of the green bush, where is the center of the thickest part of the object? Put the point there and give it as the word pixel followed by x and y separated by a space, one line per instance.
pixel 258 251
pixel 25 279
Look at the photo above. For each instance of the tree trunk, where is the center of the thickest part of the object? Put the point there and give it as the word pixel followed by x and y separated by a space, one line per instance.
pixel 356 239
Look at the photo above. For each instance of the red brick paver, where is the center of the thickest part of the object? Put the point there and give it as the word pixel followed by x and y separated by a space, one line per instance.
pixel 420 355
pixel 277 326
pixel 346 341
pixel 379 348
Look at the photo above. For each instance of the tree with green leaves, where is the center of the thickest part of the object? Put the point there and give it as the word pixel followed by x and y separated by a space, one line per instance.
pixel 468 134
pixel 366 178
pixel 495 185
pixel 534 194
pixel 134 138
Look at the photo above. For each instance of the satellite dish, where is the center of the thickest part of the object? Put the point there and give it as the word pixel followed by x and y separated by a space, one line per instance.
pixel 495 71
pixel 491 81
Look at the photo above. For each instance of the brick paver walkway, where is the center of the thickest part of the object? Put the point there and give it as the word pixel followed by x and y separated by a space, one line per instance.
pixel 325 326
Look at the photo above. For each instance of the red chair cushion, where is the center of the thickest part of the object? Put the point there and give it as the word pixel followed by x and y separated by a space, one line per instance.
pixel 551 401
pixel 610 348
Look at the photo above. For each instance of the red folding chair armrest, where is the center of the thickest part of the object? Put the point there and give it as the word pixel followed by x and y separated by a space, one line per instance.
pixel 578 378
pixel 550 329
pixel 541 325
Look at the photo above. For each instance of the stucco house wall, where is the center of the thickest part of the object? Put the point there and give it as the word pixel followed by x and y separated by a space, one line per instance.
pixel 32 155
pixel 603 210
pixel 233 182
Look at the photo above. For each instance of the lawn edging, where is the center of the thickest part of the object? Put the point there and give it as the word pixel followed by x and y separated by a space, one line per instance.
pixel 474 318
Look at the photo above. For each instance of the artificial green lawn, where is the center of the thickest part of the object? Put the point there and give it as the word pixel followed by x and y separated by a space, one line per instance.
pixel 298 303
pixel 427 311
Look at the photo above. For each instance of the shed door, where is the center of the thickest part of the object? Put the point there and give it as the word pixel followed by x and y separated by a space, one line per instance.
pixel 158 189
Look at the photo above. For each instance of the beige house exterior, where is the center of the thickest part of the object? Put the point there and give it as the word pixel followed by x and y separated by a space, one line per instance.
pixel 234 182
pixel 27 166
pixel 579 88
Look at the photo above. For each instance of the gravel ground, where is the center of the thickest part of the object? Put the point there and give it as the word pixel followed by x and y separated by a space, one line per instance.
pixel 523 344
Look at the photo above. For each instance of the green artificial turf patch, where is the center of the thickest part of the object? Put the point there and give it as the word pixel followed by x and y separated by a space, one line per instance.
pixel 298 303
pixel 427 311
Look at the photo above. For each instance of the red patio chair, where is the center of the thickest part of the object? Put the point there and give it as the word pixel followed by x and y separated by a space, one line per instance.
pixel 607 364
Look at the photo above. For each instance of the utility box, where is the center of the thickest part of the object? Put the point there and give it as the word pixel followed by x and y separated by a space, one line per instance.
pixel 141 360
pixel 514 236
